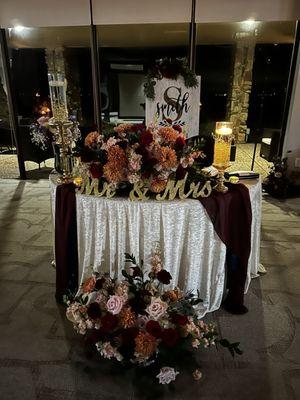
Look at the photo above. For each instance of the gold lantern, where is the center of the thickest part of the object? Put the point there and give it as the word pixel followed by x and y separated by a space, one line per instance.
pixel 223 137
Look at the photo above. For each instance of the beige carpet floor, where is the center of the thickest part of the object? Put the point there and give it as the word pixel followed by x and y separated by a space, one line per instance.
pixel 41 357
pixel 9 164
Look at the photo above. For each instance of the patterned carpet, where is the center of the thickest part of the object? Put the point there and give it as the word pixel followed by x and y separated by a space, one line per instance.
pixel 9 164
pixel 41 358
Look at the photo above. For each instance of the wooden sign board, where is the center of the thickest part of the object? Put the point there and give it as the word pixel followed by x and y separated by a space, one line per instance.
pixel 173 100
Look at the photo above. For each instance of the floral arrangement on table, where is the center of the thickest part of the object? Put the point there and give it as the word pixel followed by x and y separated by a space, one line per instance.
pixel 139 321
pixel 147 157
pixel 170 68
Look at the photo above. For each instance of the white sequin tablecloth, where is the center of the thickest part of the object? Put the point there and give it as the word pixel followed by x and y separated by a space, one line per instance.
pixel 191 250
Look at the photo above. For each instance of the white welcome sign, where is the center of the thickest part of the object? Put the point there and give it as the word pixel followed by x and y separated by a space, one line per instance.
pixel 174 101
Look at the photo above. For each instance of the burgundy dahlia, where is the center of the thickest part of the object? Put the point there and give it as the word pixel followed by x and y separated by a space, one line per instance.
pixel 177 128
pixel 96 170
pixel 129 334
pixel 94 311
pixel 179 143
pixel 170 337
pixel 138 127
pixel 99 283
pixel 109 322
pixel 179 319
pixel 154 328
pixel 180 172
pixel 164 277
pixel 87 155
pixel 136 271
pixel 146 138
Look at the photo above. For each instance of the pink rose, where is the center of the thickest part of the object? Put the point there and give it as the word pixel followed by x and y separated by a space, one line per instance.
pixel 114 304
pixel 157 308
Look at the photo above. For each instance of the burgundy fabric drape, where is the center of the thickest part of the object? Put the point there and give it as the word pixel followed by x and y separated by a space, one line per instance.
pixel 231 216
pixel 66 252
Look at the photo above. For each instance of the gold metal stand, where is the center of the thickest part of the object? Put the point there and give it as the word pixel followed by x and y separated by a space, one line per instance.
pixel 223 137
pixel 64 139
pixel 220 187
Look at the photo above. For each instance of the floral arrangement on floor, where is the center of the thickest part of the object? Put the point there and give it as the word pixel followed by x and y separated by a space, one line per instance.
pixel 170 68
pixel 134 153
pixel 139 321
pixel 277 183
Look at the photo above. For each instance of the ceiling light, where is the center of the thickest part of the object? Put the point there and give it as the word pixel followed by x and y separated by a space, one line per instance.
pixel 249 24
pixel 18 28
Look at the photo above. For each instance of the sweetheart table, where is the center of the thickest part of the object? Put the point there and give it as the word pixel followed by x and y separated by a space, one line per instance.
pixel 192 251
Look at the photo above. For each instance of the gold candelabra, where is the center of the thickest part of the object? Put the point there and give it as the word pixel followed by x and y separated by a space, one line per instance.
pixel 65 131
pixel 223 137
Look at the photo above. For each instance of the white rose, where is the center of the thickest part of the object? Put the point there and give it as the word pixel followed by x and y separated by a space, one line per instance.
pixel 114 304
pixel 70 315
pixel 107 351
pixel 167 375
pixel 157 308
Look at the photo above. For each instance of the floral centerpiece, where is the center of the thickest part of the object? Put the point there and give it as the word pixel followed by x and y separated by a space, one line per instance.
pixel 138 154
pixel 140 321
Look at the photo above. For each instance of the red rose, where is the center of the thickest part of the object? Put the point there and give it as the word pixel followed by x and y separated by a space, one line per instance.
pixel 164 277
pixel 168 120
pixel 177 128
pixel 180 319
pixel 170 337
pixel 94 311
pixel 180 172
pixel 96 170
pixel 109 322
pixel 154 329
pixel 180 143
pixel 146 138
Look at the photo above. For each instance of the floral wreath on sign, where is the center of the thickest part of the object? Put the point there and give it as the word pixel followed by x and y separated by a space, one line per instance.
pixel 138 321
pixel 169 68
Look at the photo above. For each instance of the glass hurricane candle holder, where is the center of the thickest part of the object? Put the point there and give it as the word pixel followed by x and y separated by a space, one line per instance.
pixel 223 137
pixel 58 96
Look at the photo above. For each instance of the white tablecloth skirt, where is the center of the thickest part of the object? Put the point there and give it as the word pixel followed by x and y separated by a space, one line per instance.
pixel 192 251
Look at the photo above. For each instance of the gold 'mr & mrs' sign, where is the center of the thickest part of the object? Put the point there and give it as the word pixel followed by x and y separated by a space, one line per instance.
pixel 140 192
